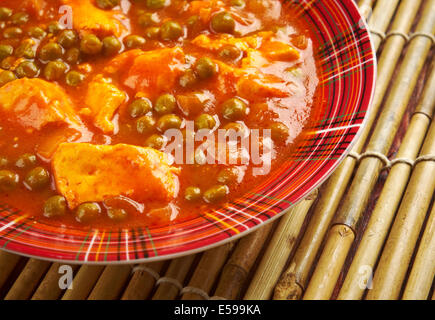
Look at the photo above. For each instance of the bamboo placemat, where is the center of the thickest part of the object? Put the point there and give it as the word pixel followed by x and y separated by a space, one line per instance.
pixel 367 233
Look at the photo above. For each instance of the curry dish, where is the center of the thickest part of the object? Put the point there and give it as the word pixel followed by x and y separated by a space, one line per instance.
pixel 90 88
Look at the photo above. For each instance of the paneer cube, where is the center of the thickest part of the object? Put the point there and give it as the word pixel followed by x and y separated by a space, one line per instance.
pixel 85 173
pixel 34 103
pixel 103 99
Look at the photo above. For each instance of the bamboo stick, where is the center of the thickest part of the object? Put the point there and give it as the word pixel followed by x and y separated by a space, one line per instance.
pixel 49 288
pixel 8 262
pixel 381 17
pixel 278 251
pixel 237 269
pixel 355 202
pixel 398 250
pixel 111 283
pixel 28 280
pixel 340 239
pixel 423 270
pixel 389 200
pixel 365 7
pixel 142 282
pixel 206 272
pixel 176 274
pixel 83 282
pixel 333 191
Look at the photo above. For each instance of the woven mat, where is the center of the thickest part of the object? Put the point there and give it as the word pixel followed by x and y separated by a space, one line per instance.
pixel 368 233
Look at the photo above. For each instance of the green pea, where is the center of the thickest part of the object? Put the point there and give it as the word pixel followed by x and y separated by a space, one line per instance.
pixel 5 13
pixel 156 141
pixel 36 32
pixel 188 79
pixel 68 38
pixel 27 69
pixel 216 194
pixel 5 51
pixel 12 33
pixel 230 53
pixel 148 19
pixel 7 63
pixel 228 176
pixel 156 4
pixel 8 180
pixel 54 27
pixel 91 45
pixel 20 18
pixel 107 4
pixel 4 162
pixel 134 41
pixel 205 121
pixel 139 107
pixel 54 70
pixel 192 194
pixel 234 109
pixel 26 161
pixel 223 22
pixel 145 124
pixel 171 30
pixel 50 51
pixel 192 21
pixel 111 46
pixel 152 33
pixel 87 212
pixel 117 214
pixel 6 76
pixel 206 68
pixel 165 104
pixel 72 56
pixel 55 207
pixel 279 132
pixel 74 78
pixel 169 121
pixel 26 50
pixel 37 178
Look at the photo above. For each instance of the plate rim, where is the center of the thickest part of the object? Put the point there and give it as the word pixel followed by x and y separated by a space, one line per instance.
pixel 244 233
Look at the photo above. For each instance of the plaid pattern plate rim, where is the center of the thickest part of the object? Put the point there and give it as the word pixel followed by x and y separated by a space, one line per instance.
pixel 348 71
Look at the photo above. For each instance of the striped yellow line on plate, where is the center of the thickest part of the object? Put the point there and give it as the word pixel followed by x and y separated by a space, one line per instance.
pixel 222 222
pixel 99 246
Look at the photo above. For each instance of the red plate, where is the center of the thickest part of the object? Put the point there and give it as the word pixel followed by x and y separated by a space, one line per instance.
pixel 347 80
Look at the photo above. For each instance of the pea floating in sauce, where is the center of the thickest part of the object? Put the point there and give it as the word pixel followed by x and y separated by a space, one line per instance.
pixel 55 207
pixel 8 180
pixel 87 212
